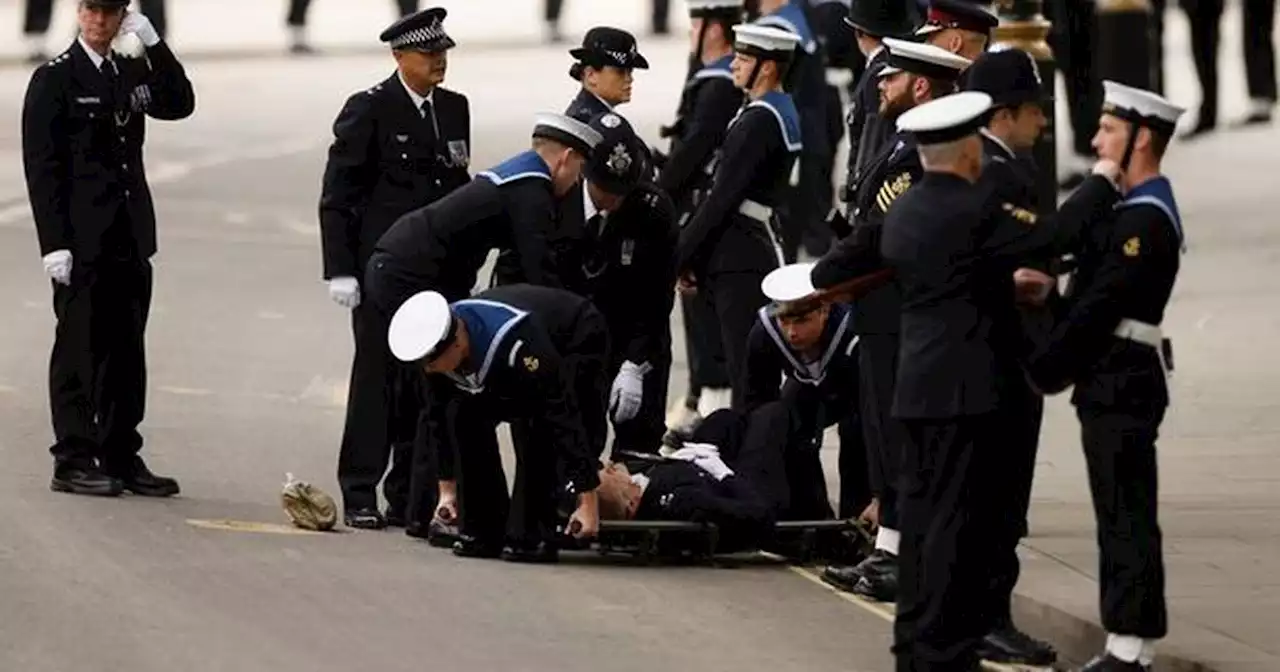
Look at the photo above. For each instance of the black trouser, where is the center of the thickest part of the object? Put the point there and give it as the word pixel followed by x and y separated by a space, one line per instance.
pixel 953 500
pixel 1073 41
pixel 661 13
pixel 1205 17
pixel 1120 454
pixel 643 433
pixel 383 404
pixel 810 200
pixel 39 14
pixel 1023 415
pixel 703 346
pixel 98 369
pixel 884 435
pixel 1155 34
pixel 434 453
pixel 734 297
pixel 1260 48
pixel 298 10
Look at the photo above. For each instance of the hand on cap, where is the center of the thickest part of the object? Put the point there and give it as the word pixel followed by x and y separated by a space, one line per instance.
pixel 1108 169
pixel 345 291
pixel 141 26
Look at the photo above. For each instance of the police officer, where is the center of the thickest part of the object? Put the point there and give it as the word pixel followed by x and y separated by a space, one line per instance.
pixel 397 146
pixel 1109 345
pixel 83 124
pixel 1012 80
pixel 809 347
pixel 707 105
pixel 913 74
pixel 730 244
pixel 603 64
pixel 1258 24
pixel 962 27
pixel 38 14
pixel 526 353
pixel 953 250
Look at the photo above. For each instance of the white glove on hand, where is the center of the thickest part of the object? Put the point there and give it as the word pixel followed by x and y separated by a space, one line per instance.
pixel 141 26
pixel 345 291
pixel 706 457
pixel 57 265
pixel 628 391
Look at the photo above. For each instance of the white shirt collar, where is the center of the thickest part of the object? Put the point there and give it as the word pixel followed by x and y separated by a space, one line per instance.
pixel 992 137
pixel 94 56
pixel 589 208
pixel 879 48
pixel 413 95
pixel 640 480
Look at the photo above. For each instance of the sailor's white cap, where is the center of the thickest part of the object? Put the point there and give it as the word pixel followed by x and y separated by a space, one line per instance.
pixel 702 6
pixel 922 59
pixel 750 38
pixel 566 130
pixel 1140 106
pixel 419 325
pixel 789 283
pixel 947 118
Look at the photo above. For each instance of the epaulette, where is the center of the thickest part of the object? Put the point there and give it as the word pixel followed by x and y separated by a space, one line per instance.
pixel 373 89
pixel 60 58
pixel 1023 215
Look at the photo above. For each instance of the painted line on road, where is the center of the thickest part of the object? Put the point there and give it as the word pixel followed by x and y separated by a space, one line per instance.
pixel 251 526
pixel 185 391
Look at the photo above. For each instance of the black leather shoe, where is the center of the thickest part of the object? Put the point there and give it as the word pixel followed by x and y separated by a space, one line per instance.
pixel 844 577
pixel 84 479
pixel 471 547
pixel 881 586
pixel 1253 119
pixel 394 517
pixel 139 480
pixel 1109 663
pixel 367 518
pixel 1011 646
pixel 542 552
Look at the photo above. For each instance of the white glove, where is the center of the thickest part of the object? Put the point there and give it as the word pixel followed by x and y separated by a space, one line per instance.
pixel 706 457
pixel 628 391
pixel 345 291
pixel 141 26
pixel 57 265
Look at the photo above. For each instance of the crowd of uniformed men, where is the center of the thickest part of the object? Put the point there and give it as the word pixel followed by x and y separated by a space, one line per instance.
pixel 927 333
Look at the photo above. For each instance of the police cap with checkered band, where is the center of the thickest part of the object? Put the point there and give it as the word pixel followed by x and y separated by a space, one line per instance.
pixel 423 31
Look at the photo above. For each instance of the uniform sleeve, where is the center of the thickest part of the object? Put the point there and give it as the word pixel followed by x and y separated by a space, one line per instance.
pixel 46 157
pixel 654 292
pixel 1017 233
pixel 858 254
pixel 735 507
pixel 1141 243
pixel 349 178
pixel 172 95
pixel 745 150
pixel 531 207
pixel 713 109
pixel 762 375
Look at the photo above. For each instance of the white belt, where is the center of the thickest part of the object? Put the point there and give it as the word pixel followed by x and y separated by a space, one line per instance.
pixel 763 214
pixel 839 77
pixel 1146 334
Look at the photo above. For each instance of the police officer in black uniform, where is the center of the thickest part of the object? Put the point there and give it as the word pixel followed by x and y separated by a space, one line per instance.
pixel 708 103
pixel 83 124
pixel 604 64
pixel 731 243
pixel 526 353
pixel 954 248
pixel 913 74
pixel 1109 345
pixel 397 147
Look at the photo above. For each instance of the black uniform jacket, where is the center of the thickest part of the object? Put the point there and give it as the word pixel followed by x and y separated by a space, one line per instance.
pixel 954 248
pixel 586 106
pixel 524 339
pixel 868 133
pixel 754 164
pixel 507 207
pixel 707 105
pixel 826 389
pixel 387 159
pixel 82 146
pixel 888 176
pixel 1127 271
pixel 682 491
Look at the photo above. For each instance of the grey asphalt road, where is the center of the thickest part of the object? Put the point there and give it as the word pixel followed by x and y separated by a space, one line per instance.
pixel 248 361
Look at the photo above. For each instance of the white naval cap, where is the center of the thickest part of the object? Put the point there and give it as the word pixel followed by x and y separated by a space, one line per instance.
pixel 567 131
pixel 789 283
pixel 947 118
pixel 419 326
pixel 700 7
pixel 1140 107
pixel 922 59
pixel 764 41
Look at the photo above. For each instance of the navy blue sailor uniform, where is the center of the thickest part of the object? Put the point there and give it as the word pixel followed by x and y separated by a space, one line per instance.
pixel 818 394
pixel 731 243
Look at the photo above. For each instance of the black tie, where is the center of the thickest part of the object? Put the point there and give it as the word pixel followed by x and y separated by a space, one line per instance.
pixel 594 225
pixel 430 118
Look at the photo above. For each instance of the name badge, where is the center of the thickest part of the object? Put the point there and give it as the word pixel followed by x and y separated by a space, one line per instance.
pixel 628 251
pixel 89 100
pixel 458 153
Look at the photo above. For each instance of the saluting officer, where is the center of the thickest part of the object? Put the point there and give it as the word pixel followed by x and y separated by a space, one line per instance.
pixel 962 27
pixel 953 249
pixel 604 64
pixel 527 353
pixel 913 74
pixel 398 146
pixel 1109 345
pixel 731 243
pixel 83 124
pixel 708 103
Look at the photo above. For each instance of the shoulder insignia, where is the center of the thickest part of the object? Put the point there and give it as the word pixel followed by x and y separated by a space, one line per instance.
pixel 1023 215
pixel 531 363
pixel 891 190
pixel 1132 247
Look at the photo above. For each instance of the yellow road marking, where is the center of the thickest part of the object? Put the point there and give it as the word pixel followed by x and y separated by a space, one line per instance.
pixel 249 526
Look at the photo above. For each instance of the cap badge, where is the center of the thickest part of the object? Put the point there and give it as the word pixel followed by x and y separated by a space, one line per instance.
pixel 611 121
pixel 619 160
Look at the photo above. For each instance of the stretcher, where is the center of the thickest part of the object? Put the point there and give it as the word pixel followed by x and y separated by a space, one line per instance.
pixel 650 540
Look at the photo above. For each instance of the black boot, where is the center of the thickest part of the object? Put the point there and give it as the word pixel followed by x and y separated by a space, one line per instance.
pixel 1007 644
pixel 1109 663
pixel 84 478
pixel 471 547
pixel 139 480
pixel 541 552
pixel 847 577
pixel 364 518
pixel 880 584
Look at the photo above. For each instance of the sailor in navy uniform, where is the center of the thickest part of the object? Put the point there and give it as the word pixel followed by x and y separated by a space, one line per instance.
pixel 801 351
pixel 962 27
pixel 1109 345
pixel 398 146
pixel 913 74
pixel 604 64
pixel 731 243
pixel 524 353
pixel 707 105
pixel 83 125
pixel 953 248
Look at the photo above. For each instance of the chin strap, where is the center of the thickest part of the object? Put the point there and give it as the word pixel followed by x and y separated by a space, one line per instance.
pixel 1128 147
